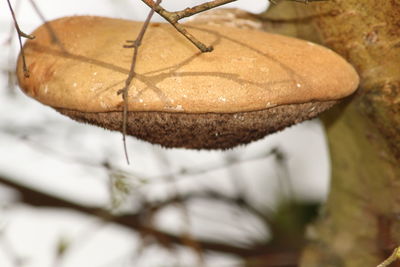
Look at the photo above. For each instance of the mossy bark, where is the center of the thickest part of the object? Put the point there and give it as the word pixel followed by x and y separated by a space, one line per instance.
pixel 360 224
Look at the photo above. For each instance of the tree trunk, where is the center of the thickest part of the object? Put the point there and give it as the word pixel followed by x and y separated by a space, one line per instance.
pixel 360 223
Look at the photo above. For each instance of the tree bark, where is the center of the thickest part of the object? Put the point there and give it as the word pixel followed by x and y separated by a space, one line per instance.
pixel 360 223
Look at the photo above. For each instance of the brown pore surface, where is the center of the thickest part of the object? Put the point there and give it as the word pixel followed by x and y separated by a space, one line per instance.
pixel 207 130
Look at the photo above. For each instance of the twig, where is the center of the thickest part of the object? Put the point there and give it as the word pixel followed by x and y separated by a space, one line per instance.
pixel 306 1
pixel 187 237
pixel 124 91
pixel 52 33
pixel 300 1
pixel 8 41
pixel 214 196
pixel 395 256
pixel 213 166
pixel 174 17
pixel 134 221
pixel 20 34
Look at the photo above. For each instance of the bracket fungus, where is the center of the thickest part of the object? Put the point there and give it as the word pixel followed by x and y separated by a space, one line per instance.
pixel 252 84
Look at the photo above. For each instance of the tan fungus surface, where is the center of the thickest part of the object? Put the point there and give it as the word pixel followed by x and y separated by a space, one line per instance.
pixel 248 70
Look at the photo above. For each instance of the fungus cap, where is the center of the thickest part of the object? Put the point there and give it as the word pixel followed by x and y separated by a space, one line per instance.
pixel 252 84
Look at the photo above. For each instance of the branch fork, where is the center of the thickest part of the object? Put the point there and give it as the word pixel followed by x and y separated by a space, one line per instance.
pixel 174 17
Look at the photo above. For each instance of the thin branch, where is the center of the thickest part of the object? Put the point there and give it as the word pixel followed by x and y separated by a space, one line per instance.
pixel 187 12
pixel 395 256
pixel 187 236
pixel 300 1
pixel 202 169
pixel 12 26
pixel 52 33
pixel 174 17
pixel 306 1
pixel 124 91
pixel 214 196
pixel 135 221
pixel 20 34
pixel 213 166
pixel 297 20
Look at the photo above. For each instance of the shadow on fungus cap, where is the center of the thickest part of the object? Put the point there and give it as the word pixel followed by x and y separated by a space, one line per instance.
pixel 251 85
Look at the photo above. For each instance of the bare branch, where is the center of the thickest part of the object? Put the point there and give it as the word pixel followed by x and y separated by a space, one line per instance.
pixel 12 26
pixel 20 34
pixel 392 258
pixel 300 1
pixel 52 33
pixel 174 17
pixel 214 196
pixel 124 91
pixel 187 12
pixel 212 166
pixel 134 221
pixel 306 1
